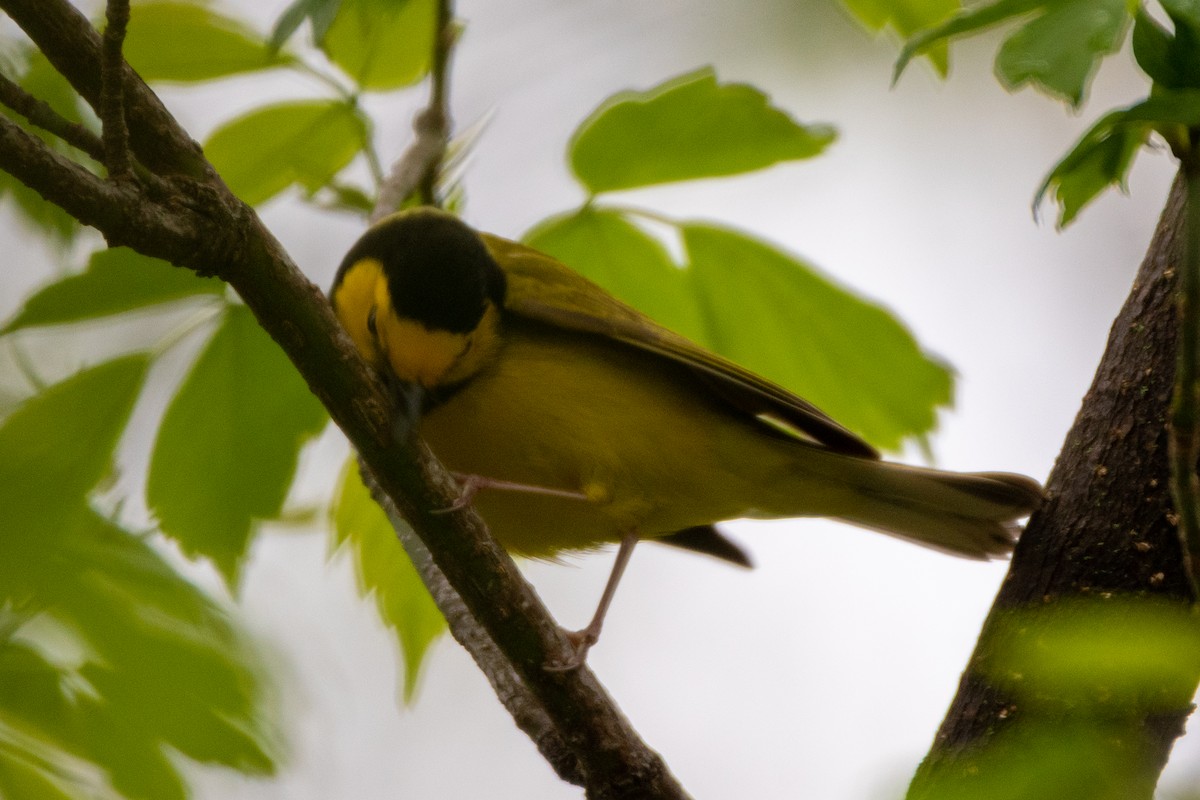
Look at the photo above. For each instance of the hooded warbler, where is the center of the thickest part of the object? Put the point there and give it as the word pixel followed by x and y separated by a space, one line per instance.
pixel 583 422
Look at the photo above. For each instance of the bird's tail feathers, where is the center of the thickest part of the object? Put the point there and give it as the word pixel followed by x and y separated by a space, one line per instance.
pixel 967 514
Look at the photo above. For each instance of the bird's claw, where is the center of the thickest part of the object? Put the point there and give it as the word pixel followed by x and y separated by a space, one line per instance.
pixel 581 642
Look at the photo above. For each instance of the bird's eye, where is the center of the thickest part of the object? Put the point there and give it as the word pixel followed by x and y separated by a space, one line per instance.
pixel 371 322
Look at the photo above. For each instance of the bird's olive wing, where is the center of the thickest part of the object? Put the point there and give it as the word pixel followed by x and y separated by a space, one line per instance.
pixel 541 288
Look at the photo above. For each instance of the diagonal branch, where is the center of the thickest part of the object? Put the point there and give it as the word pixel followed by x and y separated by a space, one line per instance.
pixel 528 714
pixel 203 227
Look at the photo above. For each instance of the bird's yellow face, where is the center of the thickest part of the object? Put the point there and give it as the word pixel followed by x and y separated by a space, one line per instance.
pixel 390 295
pixel 432 357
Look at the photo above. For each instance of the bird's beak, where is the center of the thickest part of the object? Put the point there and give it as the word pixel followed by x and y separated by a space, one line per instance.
pixel 409 398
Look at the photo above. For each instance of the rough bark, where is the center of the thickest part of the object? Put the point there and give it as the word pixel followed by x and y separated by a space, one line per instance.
pixel 1107 533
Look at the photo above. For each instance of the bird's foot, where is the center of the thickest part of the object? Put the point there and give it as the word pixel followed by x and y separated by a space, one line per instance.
pixel 581 642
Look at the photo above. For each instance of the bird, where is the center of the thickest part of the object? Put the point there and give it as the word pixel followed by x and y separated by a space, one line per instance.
pixel 574 421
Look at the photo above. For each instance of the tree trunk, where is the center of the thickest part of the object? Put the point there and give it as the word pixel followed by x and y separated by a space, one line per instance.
pixel 1105 539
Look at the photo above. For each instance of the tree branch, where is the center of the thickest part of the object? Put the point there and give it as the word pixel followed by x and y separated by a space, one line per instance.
pixel 43 116
pixel 112 91
pixel 416 171
pixel 203 227
pixel 73 47
pixel 1185 404
pixel 1107 531
pixel 521 704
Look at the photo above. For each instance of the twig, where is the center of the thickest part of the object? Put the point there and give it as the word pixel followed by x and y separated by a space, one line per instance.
pixel 1185 403
pixel 39 113
pixel 513 694
pixel 73 47
pixel 117 210
pixel 112 91
pixel 416 171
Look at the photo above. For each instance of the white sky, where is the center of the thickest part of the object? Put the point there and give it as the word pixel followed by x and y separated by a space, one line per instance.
pixel 824 672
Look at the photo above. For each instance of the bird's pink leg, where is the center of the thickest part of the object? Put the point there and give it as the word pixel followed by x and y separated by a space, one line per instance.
pixel 471 484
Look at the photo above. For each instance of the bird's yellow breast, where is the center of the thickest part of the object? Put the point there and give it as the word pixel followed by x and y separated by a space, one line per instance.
pixel 573 412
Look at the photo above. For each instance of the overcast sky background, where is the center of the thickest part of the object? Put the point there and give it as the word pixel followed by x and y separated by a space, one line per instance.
pixel 824 672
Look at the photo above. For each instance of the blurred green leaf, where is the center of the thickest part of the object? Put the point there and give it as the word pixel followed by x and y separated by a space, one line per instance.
pixel 1057 50
pixel 349 198
pixel 267 150
pixel 382 44
pixel 606 247
pixel 110 663
pixel 60 443
pixel 1060 50
pixel 776 315
pixel 906 17
pixel 969 21
pixel 227 448
pixel 1105 657
pixel 1171 60
pixel 1183 12
pixel 116 280
pixel 39 214
pixel 187 42
pixel 145 663
pixel 1103 155
pixel 1041 759
pixel 686 128
pixel 320 14
pixel 1099 160
pixel 47 84
pixel 385 571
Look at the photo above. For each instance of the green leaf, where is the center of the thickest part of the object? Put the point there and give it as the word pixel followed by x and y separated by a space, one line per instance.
pixel 1183 12
pixel 1103 155
pixel 689 127
pixel 1119 654
pixel 320 14
pixel 187 43
pixel 116 280
pixel 157 667
pixel 228 445
pixel 1100 159
pixel 346 197
pixel 906 17
pixel 40 215
pixel 607 248
pixel 269 149
pixel 1172 61
pixel 385 571
pixel 47 84
pixel 774 314
pixel 966 22
pixel 382 44
pixel 1060 50
pixel 59 444
pixel 1152 49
